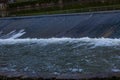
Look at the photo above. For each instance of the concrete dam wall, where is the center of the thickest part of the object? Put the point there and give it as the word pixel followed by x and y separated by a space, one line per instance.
pixel 94 24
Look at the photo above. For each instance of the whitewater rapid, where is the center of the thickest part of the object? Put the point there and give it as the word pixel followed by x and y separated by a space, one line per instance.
pixel 71 43
pixel 84 40
pixel 58 55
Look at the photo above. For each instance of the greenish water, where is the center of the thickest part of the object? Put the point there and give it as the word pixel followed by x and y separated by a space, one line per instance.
pixel 60 55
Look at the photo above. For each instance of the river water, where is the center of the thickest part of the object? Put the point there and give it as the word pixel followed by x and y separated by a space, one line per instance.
pixel 64 43
pixel 60 55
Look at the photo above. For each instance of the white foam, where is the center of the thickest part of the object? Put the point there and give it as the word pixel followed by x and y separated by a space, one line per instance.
pixel 19 34
pixel 75 70
pixel 13 34
pixel 86 41
pixel 116 70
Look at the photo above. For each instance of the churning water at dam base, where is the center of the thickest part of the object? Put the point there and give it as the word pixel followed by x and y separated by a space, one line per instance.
pixel 60 55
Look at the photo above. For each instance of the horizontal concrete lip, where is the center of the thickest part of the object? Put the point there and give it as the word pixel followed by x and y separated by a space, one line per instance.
pixel 58 15
pixel 28 75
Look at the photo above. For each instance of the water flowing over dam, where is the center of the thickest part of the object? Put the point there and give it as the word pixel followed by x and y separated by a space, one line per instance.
pixel 67 43
pixel 99 24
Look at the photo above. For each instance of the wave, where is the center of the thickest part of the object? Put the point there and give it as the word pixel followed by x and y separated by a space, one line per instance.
pixel 84 40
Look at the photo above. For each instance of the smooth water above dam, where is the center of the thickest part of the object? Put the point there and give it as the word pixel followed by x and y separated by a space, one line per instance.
pixel 71 43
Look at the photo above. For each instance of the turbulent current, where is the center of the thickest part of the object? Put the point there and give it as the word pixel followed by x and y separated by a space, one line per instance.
pixel 60 55
pixel 64 43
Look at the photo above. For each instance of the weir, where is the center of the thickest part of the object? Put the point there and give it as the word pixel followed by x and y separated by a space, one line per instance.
pixel 56 57
pixel 94 24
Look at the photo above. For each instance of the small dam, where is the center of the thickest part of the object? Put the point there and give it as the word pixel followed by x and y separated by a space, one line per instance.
pixel 64 46
pixel 94 25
